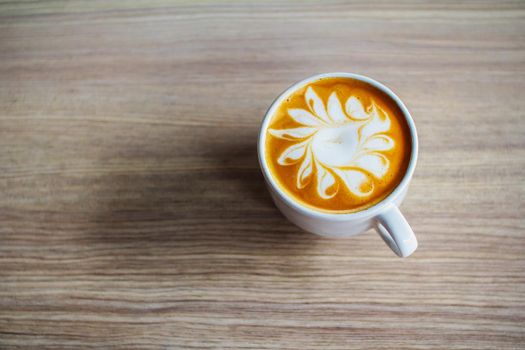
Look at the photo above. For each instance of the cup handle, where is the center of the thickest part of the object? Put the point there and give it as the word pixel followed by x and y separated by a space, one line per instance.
pixel 396 232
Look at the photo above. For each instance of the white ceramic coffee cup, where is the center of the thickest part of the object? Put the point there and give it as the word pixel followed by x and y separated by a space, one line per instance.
pixel 384 216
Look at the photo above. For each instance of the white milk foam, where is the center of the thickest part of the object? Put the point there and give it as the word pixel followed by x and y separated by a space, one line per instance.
pixel 331 141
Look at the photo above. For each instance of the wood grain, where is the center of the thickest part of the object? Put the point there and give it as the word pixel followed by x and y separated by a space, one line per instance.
pixel 133 214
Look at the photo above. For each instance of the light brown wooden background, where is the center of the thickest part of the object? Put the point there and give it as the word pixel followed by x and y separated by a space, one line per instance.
pixel 133 214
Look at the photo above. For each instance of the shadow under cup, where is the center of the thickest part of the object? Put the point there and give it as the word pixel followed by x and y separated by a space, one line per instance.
pixel 383 214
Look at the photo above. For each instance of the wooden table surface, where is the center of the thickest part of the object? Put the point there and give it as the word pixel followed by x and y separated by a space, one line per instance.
pixel 133 214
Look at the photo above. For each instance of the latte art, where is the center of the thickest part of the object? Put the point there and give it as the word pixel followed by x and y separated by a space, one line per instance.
pixel 336 142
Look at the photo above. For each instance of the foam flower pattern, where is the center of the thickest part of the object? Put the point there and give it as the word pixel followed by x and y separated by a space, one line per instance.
pixel 337 143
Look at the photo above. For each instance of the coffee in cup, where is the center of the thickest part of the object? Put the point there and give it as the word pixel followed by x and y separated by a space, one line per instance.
pixel 337 145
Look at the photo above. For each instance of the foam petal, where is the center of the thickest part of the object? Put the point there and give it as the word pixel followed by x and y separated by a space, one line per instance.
pixel 306 169
pixel 379 143
pixel 378 123
pixel 354 108
pixel 304 117
pixel 325 180
pixel 316 104
pixel 374 163
pixel 293 134
pixel 335 110
pixel 354 180
pixel 292 154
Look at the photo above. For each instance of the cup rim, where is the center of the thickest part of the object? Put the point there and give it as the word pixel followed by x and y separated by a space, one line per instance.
pixel 376 208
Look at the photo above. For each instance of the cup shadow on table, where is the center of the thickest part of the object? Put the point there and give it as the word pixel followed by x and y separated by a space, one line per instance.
pixel 211 208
